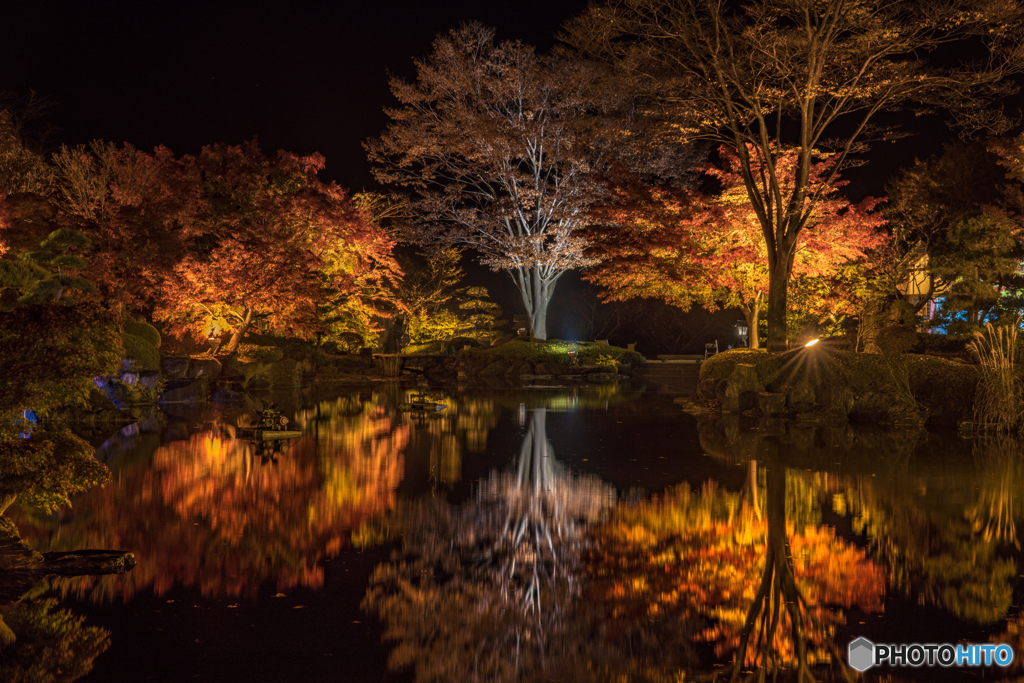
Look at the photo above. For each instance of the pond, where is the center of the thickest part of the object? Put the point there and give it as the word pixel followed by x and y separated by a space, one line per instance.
pixel 590 533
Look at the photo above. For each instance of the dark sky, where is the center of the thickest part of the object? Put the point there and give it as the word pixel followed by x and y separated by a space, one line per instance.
pixel 301 76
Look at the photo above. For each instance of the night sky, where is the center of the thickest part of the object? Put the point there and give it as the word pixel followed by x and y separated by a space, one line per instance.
pixel 305 77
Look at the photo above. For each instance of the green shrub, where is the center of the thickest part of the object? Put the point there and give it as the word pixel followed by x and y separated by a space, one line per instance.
pixel 254 353
pixel 141 328
pixel 896 339
pixel 145 354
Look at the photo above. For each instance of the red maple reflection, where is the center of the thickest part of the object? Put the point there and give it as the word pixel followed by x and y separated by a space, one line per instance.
pixel 206 512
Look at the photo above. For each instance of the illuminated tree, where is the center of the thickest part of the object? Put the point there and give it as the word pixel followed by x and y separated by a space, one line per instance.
pixel 49 355
pixel 801 72
pixel 491 140
pixel 135 208
pixel 270 242
pixel 688 248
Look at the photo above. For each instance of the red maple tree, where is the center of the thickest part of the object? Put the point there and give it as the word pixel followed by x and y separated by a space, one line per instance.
pixel 271 241
pixel 689 248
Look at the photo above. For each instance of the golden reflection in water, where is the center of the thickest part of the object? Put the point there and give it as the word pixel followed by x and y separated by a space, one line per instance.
pixel 462 426
pixel 208 512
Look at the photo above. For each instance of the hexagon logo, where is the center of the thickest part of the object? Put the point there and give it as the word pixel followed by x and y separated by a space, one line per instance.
pixel 861 654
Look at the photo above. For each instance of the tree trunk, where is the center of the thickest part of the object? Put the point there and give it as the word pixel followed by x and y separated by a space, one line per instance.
pixel 536 292
pixel 778 293
pixel 752 312
pixel 239 333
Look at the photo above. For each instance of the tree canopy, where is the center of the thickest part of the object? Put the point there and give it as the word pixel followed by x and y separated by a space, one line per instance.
pixel 491 139
pixel 810 74
pixel 686 247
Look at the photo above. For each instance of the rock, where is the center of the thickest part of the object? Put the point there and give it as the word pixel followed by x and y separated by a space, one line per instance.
pixel 286 373
pixel 209 368
pixel 195 391
pixel 117 393
pixel 771 403
pixel 149 380
pixel 838 400
pixel 803 392
pixel 494 369
pixel 556 369
pixel 130 378
pixel 705 390
pixel 742 389
pixel 533 378
pixel 175 368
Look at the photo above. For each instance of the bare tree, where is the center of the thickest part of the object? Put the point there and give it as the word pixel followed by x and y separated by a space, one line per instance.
pixel 491 140
pixel 806 73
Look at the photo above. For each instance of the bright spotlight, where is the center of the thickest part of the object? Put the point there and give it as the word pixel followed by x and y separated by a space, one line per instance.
pixel 811 343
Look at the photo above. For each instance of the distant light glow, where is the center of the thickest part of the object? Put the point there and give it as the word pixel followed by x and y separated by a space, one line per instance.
pixel 811 343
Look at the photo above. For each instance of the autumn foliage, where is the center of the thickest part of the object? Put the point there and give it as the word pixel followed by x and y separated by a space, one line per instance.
pixel 687 247
pixel 223 239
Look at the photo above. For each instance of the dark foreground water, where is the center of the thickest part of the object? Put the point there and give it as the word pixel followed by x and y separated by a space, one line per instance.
pixel 514 537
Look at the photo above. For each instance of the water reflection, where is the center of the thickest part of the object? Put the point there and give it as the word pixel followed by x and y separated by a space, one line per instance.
pixel 42 642
pixel 488 590
pixel 210 512
pixel 542 573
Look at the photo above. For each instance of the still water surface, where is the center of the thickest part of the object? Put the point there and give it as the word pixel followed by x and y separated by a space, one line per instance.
pixel 575 534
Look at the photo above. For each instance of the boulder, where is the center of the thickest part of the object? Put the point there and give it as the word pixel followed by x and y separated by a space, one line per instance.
pixel 742 389
pixel 149 380
pixel 225 395
pixel 209 368
pixel 175 368
pixel 705 390
pixel 494 369
pixel 285 373
pixel 556 369
pixel 771 403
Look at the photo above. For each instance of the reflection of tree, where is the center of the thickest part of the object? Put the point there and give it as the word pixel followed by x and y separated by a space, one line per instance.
pixel 994 515
pixel 52 644
pixel 205 512
pixel 464 425
pixel 706 566
pixel 932 551
pixel 481 592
